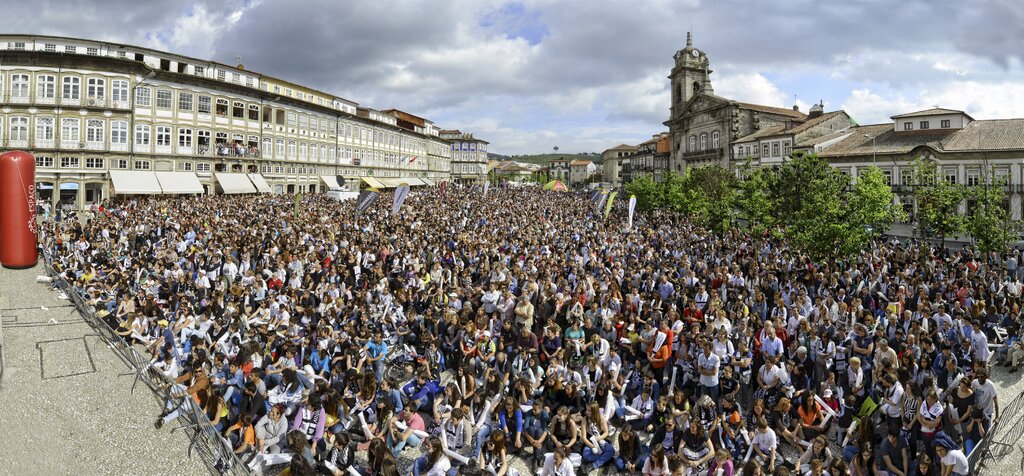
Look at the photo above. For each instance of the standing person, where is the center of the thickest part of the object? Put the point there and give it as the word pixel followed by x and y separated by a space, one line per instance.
pixel 985 396
pixel 708 364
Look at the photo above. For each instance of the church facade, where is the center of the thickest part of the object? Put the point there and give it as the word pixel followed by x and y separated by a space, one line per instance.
pixel 703 126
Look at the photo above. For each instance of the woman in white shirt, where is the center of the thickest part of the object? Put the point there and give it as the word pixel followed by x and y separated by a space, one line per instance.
pixel 433 462
pixel 657 463
pixel 558 464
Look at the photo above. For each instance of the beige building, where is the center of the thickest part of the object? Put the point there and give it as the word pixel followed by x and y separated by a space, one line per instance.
pixel 611 165
pixel 104 119
pixel 469 163
pixel 580 172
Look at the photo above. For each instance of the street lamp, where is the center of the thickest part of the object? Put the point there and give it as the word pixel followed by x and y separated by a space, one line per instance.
pixel 873 149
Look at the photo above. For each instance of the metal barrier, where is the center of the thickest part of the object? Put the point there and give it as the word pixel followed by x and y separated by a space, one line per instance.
pixel 1013 435
pixel 215 451
pixel 3 359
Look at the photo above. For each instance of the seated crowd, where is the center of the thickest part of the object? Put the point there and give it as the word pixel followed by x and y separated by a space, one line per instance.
pixel 472 331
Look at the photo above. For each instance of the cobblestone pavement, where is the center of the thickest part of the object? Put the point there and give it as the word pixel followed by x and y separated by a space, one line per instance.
pixel 64 410
pixel 1006 461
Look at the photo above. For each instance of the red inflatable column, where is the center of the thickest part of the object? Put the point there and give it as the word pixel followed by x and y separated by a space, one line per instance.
pixel 18 210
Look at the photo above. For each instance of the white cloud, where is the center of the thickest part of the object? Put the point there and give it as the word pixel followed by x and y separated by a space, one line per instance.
pixel 980 100
pixel 750 87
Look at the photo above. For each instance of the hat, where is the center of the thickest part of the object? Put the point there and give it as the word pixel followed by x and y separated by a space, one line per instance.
pixel 487 334
pixel 162 322
pixel 827 393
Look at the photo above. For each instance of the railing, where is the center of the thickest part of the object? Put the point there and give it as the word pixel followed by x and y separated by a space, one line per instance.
pixel 1013 435
pixel 3 359
pixel 205 440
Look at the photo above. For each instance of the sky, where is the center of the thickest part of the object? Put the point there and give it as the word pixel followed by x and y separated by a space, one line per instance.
pixel 584 75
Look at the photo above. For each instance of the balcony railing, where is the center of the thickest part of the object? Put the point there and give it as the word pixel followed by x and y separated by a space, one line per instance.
pixel 12 99
pixel 45 144
pixel 702 153
pixel 70 144
pixel 17 143
pixel 45 100
pixel 236 150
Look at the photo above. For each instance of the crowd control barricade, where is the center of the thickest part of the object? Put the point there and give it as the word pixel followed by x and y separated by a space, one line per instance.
pixel 1010 418
pixel 204 439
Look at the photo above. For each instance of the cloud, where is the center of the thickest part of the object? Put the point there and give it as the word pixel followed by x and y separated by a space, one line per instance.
pixel 584 74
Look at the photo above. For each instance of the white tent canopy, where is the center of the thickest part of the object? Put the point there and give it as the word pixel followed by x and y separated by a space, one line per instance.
pixel 179 182
pixel 260 183
pixel 331 182
pixel 234 183
pixel 135 182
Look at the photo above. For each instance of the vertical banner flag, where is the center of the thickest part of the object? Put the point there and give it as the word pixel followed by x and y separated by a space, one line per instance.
pixel 608 206
pixel 298 199
pixel 487 185
pixel 594 196
pixel 632 207
pixel 400 193
pixel 365 200
pixel 444 185
pixel 601 200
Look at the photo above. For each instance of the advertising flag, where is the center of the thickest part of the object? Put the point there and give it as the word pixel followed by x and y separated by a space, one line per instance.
pixel 487 185
pixel 608 206
pixel 601 200
pixel 632 208
pixel 298 199
pixel 400 193
pixel 444 185
pixel 365 200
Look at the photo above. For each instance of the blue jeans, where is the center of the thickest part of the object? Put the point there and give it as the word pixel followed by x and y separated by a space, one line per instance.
pixel 599 459
pixel 620 462
pixel 481 437
pixel 397 446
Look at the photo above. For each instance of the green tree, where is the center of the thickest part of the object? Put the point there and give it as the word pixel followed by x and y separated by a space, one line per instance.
pixel 988 218
pixel 753 200
pixel 872 204
pixel 809 197
pixel 938 202
pixel 650 195
pixel 712 196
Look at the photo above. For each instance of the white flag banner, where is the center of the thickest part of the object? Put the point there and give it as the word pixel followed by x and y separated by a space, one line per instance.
pixel 400 193
pixel 632 207
pixel 487 186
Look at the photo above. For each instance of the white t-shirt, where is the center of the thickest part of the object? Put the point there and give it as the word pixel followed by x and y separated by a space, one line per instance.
pixel 441 467
pixel 708 362
pixel 564 469
pixel 958 460
pixel 984 396
pixel 895 394
pixel 765 441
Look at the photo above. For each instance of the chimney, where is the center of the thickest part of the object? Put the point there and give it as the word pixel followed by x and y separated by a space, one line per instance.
pixel 796 108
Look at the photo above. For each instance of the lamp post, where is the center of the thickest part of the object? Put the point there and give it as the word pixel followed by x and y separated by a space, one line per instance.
pixel 873 149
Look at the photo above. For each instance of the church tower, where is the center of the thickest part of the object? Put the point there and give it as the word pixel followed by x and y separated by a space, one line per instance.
pixel 691 75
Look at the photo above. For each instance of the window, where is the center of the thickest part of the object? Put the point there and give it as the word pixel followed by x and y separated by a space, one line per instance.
pixel 973 177
pixel 19 128
pixel 268 147
pixel 254 112
pixel 119 132
pixel 92 51
pixel 19 85
pixel 775 150
pixel 887 177
pixel 714 140
pixel 906 177
pixel 764 150
pixel 184 101
pixel 703 142
pixel 72 88
pixel 94 130
pixel 122 54
pixel 141 165
pixel 69 163
pixel 186 166
pixel 292 149
pixel 200 71
pixel 238 111
pixel 93 163
pixel 202 167
pixel 119 164
pixel 119 90
pixel 44 161
pixel 279 149
pixel 693 144
pixel 785 148
pixel 313 154
pixel 221 75
pixel 69 129
pixel 184 137
pixel 142 96
pixel 944 123
pixel 96 89
pixel 908 126
pixel 163 135
pixel 222 107
pixel 44 128
pixel 291 119
pixel 303 121
pixel 924 124
pixel 70 49
pixel 50 48
pixel 303 148
pixel 163 98
pixel 142 134
pixel 248 81
pixel 950 176
pixel 46 86
pixel 203 107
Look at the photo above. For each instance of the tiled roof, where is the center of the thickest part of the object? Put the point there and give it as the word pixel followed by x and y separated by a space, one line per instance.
pixel 773 110
pixel 995 134
pixel 813 122
pixel 886 141
pixel 935 111
pixel 825 138
pixel 761 133
pixel 579 162
pixel 781 130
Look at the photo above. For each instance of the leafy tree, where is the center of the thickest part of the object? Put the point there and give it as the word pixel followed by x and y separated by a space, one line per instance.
pixel 650 195
pixel 987 220
pixel 809 197
pixel 873 204
pixel 938 201
pixel 753 199
pixel 712 199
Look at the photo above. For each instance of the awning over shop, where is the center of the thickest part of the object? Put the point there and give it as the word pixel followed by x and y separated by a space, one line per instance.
pixel 331 182
pixel 179 182
pixel 416 182
pixel 234 183
pixel 428 182
pixel 373 183
pixel 261 183
pixel 134 182
pixel 397 182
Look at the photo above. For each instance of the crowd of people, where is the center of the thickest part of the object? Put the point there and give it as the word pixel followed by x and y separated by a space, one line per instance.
pixel 526 326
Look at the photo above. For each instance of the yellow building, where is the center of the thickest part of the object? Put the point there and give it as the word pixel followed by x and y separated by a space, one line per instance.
pixel 104 119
